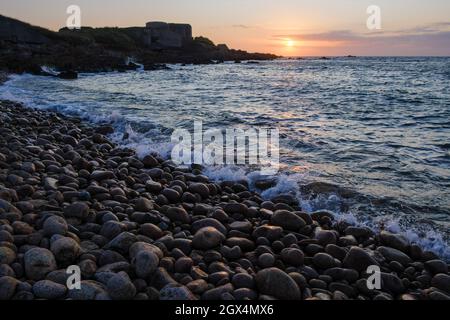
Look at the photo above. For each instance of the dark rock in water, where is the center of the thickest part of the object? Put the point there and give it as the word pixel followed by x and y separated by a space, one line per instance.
pixel 395 241
pixel 156 66
pixel 391 254
pixel 359 259
pixel 287 220
pixel 287 198
pixel 176 292
pixel 207 238
pixel 47 289
pixel 68 75
pixel 105 129
pixel 275 282
pixel 265 184
pixel 38 263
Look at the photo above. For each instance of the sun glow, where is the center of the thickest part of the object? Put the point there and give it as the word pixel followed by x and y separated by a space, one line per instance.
pixel 290 43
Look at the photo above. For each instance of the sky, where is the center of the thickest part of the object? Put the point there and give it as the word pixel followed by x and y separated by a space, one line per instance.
pixel 284 27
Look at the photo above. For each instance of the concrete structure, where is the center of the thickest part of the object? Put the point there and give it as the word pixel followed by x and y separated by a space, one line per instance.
pixel 167 35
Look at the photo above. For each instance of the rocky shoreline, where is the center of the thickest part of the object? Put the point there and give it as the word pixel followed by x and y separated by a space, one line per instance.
pixel 145 229
pixel 25 49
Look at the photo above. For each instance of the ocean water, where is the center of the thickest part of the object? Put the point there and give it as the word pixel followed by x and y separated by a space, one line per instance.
pixel 367 138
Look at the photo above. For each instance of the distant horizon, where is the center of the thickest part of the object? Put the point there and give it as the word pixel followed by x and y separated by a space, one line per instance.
pixel 288 28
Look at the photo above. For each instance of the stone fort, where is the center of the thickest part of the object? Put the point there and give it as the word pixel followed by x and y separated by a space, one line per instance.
pixel 167 35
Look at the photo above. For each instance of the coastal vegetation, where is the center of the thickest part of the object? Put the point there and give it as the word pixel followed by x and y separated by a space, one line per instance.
pixel 24 48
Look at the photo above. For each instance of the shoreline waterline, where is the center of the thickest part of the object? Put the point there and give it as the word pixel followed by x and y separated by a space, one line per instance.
pixel 422 222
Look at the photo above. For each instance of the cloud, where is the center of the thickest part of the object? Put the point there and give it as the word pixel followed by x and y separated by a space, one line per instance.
pixel 433 39
pixel 242 26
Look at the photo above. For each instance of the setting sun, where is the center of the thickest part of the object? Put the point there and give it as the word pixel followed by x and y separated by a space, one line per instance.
pixel 290 43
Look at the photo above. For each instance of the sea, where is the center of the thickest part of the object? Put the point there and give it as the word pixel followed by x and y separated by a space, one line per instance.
pixel 367 138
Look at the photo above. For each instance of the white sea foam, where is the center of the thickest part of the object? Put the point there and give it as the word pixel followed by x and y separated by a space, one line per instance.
pixel 424 235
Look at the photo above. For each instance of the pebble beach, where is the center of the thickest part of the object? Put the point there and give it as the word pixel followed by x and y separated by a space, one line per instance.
pixel 146 229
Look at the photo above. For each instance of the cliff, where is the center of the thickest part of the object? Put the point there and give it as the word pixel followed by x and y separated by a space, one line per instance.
pixel 24 48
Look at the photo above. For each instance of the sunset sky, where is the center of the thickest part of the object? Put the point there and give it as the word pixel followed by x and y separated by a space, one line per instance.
pixel 285 27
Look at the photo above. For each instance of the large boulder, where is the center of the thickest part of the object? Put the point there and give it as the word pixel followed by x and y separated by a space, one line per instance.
pixel 393 240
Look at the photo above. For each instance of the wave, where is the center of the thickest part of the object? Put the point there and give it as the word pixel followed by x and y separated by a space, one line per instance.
pixel 345 204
